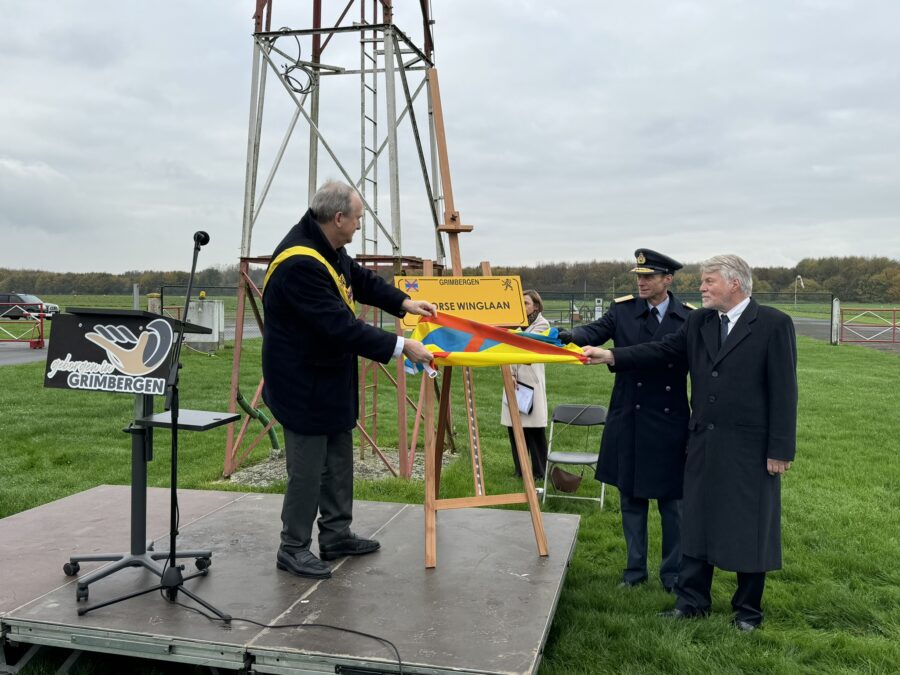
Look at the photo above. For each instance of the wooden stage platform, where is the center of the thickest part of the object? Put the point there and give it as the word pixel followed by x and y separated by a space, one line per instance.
pixel 485 608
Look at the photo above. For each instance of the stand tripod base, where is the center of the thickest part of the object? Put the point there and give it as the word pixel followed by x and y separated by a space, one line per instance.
pixel 147 560
pixel 171 582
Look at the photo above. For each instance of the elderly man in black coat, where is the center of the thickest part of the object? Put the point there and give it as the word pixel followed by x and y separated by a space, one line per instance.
pixel 742 359
pixel 643 447
pixel 311 338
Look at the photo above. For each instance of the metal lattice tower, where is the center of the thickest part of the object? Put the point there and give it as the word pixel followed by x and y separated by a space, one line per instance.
pixel 388 62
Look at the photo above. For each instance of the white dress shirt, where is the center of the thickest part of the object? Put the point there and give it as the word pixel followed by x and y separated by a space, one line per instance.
pixel 735 313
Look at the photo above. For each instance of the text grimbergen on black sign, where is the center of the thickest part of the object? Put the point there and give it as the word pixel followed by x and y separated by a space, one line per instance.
pixel 496 301
pixel 109 350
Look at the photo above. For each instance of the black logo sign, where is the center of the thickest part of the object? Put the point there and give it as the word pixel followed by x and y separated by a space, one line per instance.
pixel 117 353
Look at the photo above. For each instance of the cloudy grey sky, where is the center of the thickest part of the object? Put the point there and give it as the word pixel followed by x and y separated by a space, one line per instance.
pixel 576 130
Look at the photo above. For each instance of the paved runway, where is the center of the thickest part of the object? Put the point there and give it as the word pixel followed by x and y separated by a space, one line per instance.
pixel 12 353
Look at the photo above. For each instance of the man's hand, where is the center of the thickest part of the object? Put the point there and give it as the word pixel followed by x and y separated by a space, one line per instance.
pixel 565 336
pixel 599 355
pixel 777 466
pixel 415 351
pixel 420 307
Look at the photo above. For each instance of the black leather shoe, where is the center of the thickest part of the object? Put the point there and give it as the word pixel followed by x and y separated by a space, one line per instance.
pixel 744 626
pixel 352 545
pixel 669 589
pixel 630 584
pixel 680 614
pixel 303 564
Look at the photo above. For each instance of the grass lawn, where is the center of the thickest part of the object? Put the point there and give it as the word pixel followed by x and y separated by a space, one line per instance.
pixel 835 608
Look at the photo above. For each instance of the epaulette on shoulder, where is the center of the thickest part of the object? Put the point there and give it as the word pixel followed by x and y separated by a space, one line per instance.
pixel 624 298
pixel 688 305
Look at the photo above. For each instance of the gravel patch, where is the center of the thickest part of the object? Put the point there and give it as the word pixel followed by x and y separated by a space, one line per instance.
pixel 370 467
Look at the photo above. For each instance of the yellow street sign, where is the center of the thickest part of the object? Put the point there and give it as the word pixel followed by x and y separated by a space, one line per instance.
pixel 496 301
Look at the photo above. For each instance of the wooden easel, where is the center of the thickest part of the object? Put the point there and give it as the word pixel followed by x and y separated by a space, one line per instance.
pixel 434 451
pixel 434 442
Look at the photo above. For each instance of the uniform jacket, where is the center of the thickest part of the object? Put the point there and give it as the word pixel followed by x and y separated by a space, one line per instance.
pixel 533 376
pixel 743 411
pixel 643 447
pixel 311 338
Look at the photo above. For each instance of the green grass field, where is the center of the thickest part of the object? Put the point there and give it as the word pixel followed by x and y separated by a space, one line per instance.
pixel 835 608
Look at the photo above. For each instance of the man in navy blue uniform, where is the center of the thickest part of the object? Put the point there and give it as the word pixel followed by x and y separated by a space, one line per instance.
pixel 311 339
pixel 742 358
pixel 643 447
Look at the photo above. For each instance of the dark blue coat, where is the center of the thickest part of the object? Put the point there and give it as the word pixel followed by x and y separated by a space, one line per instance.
pixel 311 338
pixel 743 412
pixel 644 442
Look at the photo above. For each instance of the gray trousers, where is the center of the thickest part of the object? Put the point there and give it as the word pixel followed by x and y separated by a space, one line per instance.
pixel 634 527
pixel 319 480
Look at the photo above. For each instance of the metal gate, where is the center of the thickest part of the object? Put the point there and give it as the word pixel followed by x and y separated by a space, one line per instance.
pixel 20 324
pixel 871 326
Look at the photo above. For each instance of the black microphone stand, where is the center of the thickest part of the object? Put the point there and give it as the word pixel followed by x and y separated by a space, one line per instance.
pixel 172 579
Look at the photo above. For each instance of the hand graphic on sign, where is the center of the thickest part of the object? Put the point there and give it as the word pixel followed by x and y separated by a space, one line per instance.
pixel 131 354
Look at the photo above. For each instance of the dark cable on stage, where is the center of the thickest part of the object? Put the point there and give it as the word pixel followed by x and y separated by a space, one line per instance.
pixel 232 619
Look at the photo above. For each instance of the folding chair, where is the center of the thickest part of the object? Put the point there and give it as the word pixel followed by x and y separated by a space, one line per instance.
pixel 568 415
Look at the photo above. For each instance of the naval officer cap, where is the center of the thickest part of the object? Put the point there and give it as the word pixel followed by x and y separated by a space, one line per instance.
pixel 651 262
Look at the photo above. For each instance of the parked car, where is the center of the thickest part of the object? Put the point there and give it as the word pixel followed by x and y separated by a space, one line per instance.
pixel 24 305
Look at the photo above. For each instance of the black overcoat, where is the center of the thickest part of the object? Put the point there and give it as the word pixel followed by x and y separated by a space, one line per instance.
pixel 311 338
pixel 643 447
pixel 743 411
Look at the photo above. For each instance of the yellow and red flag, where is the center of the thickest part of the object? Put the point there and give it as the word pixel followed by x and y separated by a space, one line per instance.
pixel 455 341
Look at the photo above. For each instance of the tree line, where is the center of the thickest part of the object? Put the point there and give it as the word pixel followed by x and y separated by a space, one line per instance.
pixel 850 278
pixel 40 282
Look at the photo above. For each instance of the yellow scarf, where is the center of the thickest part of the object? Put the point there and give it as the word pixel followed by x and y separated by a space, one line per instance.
pixel 342 286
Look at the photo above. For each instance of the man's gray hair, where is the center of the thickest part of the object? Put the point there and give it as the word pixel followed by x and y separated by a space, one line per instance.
pixel 730 267
pixel 333 197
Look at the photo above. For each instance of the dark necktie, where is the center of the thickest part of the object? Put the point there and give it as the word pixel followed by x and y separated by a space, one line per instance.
pixel 652 322
pixel 723 329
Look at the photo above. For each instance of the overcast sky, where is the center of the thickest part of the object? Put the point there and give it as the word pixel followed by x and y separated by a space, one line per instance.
pixel 576 130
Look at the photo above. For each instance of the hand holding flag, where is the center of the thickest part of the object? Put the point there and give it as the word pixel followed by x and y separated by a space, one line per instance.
pixel 420 307
pixel 416 352
pixel 454 341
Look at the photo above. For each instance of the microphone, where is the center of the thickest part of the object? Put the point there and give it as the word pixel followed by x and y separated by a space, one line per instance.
pixel 201 238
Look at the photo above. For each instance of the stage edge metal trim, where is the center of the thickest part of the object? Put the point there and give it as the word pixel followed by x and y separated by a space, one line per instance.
pixel 280 662
pixel 210 654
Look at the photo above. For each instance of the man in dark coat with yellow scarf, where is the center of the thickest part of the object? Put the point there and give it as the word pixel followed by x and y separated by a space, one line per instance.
pixel 311 338
pixel 742 359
